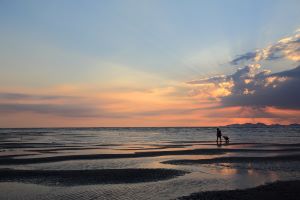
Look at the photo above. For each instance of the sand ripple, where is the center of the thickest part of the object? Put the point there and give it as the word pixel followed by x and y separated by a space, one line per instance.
pixel 87 177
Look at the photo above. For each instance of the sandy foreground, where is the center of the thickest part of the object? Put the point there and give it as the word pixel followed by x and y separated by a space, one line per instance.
pixel 169 170
pixel 283 190
pixel 87 177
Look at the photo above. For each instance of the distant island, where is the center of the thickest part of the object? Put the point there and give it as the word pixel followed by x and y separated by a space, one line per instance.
pixel 258 125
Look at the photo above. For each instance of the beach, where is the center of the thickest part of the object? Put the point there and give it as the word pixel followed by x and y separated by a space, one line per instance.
pixel 149 163
pixel 288 190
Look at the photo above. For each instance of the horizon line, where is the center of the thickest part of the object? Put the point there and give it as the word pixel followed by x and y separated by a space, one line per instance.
pixel 82 127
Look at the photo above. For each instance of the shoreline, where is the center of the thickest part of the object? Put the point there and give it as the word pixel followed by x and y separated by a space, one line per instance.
pixel 161 151
pixel 280 190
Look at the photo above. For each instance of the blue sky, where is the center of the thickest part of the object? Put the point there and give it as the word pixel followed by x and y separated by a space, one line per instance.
pixel 165 37
pixel 134 44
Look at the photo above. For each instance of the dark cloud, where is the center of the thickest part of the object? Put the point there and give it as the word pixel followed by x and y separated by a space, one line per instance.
pixel 23 96
pixel 158 112
pixel 250 87
pixel 35 103
pixel 281 90
pixel 243 112
pixel 215 79
pixel 246 56
pixel 65 110
pixel 293 73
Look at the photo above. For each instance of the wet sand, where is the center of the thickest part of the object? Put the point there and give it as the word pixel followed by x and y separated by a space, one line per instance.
pixel 87 177
pixel 180 150
pixel 283 190
pixel 235 160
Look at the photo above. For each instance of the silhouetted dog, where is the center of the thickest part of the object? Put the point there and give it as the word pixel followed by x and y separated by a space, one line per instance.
pixel 226 138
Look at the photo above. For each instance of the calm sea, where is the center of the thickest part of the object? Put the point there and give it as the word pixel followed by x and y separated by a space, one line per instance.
pixel 149 135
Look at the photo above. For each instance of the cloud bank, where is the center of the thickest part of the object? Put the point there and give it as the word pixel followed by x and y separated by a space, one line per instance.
pixel 286 48
pixel 23 96
pixel 250 86
pixel 263 89
pixel 254 87
pixel 58 105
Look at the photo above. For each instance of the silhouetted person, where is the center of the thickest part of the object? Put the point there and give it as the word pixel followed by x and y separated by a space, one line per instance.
pixel 219 135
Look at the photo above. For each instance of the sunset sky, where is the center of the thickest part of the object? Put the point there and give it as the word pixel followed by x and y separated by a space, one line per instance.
pixel 66 63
